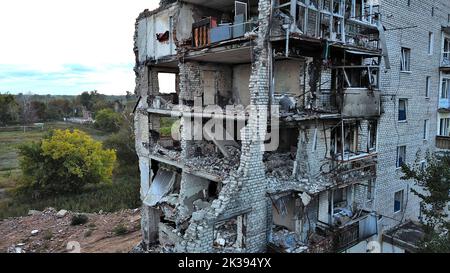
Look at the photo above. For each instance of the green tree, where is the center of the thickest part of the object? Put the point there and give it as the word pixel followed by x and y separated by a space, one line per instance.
pixel 123 142
pixel 107 120
pixel 40 109
pixel 433 181
pixel 64 162
pixel 58 109
pixel 9 109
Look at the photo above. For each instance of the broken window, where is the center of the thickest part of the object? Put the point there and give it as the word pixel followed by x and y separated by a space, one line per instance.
pixel 444 127
pixel 445 88
pixel 402 109
pixel 340 198
pixel 341 210
pixel 406 60
pixel 373 131
pixel 347 144
pixel 401 156
pixel 371 189
pixel 231 233
pixel 398 201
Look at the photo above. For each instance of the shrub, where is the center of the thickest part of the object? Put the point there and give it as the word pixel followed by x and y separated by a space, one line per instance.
pixel 123 143
pixel 123 193
pixel 120 230
pixel 79 219
pixel 64 162
pixel 107 120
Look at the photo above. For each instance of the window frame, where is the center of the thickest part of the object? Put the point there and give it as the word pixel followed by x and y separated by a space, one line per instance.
pixel 428 87
pixel 444 130
pixel 401 201
pixel 445 89
pixel 405 115
pixel 401 150
pixel 405 61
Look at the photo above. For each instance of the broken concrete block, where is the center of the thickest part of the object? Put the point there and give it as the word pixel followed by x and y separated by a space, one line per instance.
pixel 33 212
pixel 62 213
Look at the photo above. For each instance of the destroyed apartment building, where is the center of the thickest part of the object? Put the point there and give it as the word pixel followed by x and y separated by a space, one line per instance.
pixel 297 90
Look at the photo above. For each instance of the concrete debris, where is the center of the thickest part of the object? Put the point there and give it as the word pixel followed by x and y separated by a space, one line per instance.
pixel 226 234
pixel 35 232
pixel 220 167
pixel 33 212
pixel 280 166
pixel 160 151
pixel 200 204
pixel 15 249
pixel 306 199
pixel 198 215
pixel 288 241
pixel 62 213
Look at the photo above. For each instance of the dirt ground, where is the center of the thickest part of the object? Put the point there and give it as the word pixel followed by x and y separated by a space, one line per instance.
pixel 45 232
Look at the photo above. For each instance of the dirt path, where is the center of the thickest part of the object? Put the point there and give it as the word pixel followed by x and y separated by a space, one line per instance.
pixel 45 232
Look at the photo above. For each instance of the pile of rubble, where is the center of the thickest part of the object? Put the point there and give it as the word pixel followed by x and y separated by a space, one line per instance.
pixel 215 165
pixel 160 151
pixel 280 166
pixel 226 235
pixel 288 241
pixel 53 231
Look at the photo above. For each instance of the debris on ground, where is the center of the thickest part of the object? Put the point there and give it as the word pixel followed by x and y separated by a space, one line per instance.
pixel 51 231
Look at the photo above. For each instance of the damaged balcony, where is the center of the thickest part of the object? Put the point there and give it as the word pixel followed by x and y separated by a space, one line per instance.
pixel 343 219
pixel 353 23
pixel 230 22
pixel 356 77
pixel 346 86
pixel 361 227
pixel 443 142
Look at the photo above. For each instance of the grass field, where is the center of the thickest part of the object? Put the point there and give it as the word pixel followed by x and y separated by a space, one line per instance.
pixel 124 192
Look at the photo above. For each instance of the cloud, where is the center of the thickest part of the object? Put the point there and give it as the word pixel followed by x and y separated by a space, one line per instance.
pixel 69 79
pixel 69 46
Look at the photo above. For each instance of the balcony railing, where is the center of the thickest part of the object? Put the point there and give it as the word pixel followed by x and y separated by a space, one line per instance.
pixel 207 31
pixel 443 142
pixel 352 233
pixel 353 169
pixel 333 20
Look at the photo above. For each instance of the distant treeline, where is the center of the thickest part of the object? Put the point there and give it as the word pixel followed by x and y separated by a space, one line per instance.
pixel 28 108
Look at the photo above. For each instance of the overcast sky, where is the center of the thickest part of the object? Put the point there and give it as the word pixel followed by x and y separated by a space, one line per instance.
pixel 69 46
